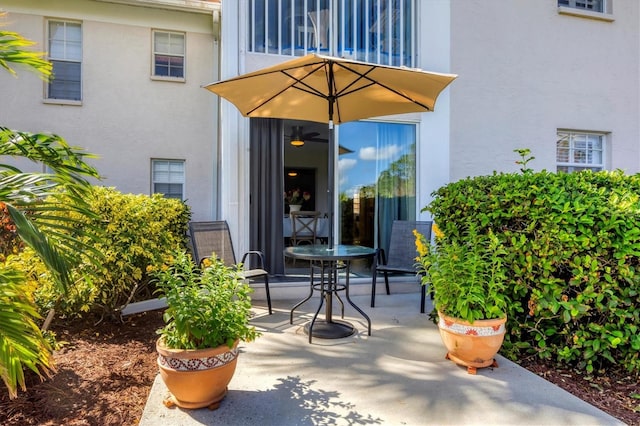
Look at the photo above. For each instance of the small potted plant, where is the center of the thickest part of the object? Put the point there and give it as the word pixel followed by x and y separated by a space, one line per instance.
pixel 207 315
pixel 296 198
pixel 467 281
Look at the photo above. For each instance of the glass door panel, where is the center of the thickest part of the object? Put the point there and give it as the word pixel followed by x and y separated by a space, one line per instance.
pixel 376 180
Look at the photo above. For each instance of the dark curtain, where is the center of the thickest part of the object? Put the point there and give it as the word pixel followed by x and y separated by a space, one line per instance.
pixel 267 186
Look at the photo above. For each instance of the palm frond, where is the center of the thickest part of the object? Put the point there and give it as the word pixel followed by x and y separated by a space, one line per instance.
pixel 40 203
pixel 66 161
pixel 21 342
pixel 13 50
pixel 39 242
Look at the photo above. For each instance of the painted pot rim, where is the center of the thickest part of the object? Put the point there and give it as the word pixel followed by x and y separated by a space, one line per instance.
pixel 195 359
pixel 485 327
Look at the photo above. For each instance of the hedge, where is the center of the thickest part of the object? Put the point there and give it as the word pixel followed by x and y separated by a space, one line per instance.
pixel 139 232
pixel 573 259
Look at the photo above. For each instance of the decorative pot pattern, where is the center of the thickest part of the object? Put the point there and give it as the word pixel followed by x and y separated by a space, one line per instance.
pixel 470 330
pixel 198 363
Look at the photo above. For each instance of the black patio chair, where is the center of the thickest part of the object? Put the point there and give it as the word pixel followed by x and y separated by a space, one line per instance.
pixel 214 237
pixel 402 254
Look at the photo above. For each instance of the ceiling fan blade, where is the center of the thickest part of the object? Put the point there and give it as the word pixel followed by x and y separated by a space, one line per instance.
pixel 310 135
pixel 317 140
pixel 344 150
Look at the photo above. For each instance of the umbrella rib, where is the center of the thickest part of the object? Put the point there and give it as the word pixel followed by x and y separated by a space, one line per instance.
pixel 311 90
pixel 373 82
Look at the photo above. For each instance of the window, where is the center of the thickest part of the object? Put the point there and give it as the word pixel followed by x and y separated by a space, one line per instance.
pixel 168 178
pixel 577 151
pixel 591 5
pixel 65 53
pixel 168 54
pixel 378 31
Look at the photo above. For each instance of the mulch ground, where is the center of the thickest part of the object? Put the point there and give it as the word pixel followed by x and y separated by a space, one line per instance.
pixel 105 372
pixel 104 375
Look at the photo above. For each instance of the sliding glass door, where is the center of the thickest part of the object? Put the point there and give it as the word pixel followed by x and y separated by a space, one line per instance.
pixel 377 180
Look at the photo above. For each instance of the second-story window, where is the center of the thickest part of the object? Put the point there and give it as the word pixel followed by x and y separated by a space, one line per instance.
pixel 65 53
pixel 168 54
pixel 379 31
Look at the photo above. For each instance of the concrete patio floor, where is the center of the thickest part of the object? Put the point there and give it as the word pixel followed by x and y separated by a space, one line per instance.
pixel 396 376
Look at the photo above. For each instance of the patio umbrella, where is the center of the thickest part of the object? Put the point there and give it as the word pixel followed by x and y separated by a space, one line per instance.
pixel 326 89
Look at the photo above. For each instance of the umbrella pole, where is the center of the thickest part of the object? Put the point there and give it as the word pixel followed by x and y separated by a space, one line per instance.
pixel 331 182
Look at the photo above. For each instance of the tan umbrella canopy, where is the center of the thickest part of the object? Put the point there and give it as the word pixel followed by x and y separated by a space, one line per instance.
pixel 326 89
pixel 322 88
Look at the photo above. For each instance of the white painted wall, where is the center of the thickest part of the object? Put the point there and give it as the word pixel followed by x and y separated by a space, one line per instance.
pixel 234 136
pixel 526 70
pixel 126 118
pixel 434 127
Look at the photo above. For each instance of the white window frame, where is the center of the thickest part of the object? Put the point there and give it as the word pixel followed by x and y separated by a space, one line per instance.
pixel 64 57
pixel 584 4
pixel 583 157
pixel 580 8
pixel 155 53
pixel 174 177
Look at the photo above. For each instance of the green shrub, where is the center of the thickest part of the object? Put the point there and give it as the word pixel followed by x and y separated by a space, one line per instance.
pixel 572 261
pixel 467 279
pixel 45 292
pixel 207 307
pixel 138 233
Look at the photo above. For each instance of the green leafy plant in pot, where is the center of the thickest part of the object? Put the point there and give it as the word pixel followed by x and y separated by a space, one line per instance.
pixel 207 315
pixel 467 281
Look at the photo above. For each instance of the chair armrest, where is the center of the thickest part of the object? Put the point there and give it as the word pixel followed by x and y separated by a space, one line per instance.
pixel 254 253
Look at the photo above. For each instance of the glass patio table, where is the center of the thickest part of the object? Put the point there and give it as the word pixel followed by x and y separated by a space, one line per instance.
pixel 329 261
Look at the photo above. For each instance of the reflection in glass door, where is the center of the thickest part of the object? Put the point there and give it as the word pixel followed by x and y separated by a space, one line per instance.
pixel 377 180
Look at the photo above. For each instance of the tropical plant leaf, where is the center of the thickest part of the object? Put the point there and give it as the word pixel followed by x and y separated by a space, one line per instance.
pixel 21 342
pixel 13 50
pixel 31 200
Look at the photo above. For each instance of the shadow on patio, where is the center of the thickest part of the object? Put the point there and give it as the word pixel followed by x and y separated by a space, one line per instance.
pixel 396 376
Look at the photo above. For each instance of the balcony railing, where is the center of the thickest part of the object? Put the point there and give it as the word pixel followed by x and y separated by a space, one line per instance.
pixel 379 31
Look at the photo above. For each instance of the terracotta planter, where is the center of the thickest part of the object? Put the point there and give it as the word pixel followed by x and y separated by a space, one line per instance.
pixel 472 345
pixel 196 377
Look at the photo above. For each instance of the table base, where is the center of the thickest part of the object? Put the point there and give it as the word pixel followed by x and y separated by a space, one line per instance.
pixel 335 329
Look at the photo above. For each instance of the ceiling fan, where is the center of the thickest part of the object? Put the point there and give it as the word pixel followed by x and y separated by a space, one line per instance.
pixel 297 137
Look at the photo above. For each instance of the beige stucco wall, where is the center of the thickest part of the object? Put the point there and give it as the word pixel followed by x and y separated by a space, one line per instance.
pixel 527 70
pixel 126 117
